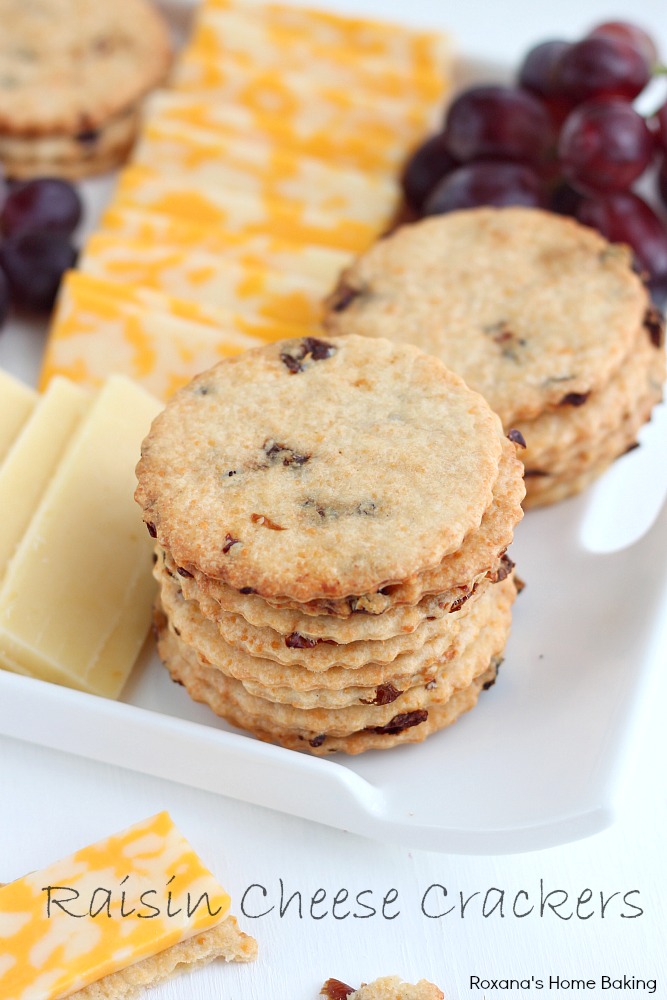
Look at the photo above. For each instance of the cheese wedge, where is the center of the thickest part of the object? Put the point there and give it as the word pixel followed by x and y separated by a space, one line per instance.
pixel 321 265
pixel 204 278
pixel 33 457
pixel 76 599
pixel 161 342
pixel 259 167
pixel 238 211
pixel 104 908
pixel 363 140
pixel 16 403
pixel 377 60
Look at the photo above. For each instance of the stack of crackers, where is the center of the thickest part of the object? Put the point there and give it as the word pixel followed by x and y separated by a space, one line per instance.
pixel 331 520
pixel 72 78
pixel 541 315
pixel 271 158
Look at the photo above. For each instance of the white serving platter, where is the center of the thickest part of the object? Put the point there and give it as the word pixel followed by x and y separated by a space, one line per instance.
pixel 539 762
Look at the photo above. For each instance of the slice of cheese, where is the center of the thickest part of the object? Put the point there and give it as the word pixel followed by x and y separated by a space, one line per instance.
pixel 161 342
pixel 321 265
pixel 32 458
pixel 206 278
pixel 364 140
pixel 16 403
pixel 378 61
pixel 259 167
pixel 104 908
pixel 76 598
pixel 238 212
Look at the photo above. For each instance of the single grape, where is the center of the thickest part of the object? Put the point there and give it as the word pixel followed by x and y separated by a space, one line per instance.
pixel 602 66
pixel 34 262
pixel 427 165
pixel 631 33
pixel 625 218
pixel 604 146
pixel 494 122
pixel 486 182
pixel 43 203
pixel 536 72
pixel 4 298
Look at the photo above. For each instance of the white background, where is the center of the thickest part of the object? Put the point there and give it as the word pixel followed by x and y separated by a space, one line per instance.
pixel 53 803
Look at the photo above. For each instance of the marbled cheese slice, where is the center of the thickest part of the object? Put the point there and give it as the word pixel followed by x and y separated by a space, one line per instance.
pixel 76 598
pixel 239 212
pixel 33 457
pixel 362 140
pixel 104 908
pixel 259 167
pixel 322 265
pixel 16 403
pixel 205 278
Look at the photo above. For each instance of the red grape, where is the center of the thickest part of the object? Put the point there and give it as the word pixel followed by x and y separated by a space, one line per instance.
pixel 565 199
pixel 487 182
pixel 34 262
pixel 494 122
pixel 631 33
pixel 625 218
pixel 46 203
pixel 604 146
pixel 536 72
pixel 427 165
pixel 602 66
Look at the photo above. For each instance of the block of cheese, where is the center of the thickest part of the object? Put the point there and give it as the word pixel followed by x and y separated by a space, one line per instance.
pixel 204 277
pixel 75 602
pixel 365 140
pixel 238 212
pixel 378 60
pixel 101 327
pixel 16 403
pixel 104 908
pixel 263 169
pixel 146 229
pixel 33 457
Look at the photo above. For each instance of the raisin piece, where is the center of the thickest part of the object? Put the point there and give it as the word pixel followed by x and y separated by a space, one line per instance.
pixel 297 641
pixel 88 137
pixel 247 590
pixel 282 452
pixel 655 324
pixel 317 741
pixel 319 350
pixel 266 522
pixel 384 695
pixel 184 572
pixel 534 473
pixel 460 601
pixel 229 541
pixel 505 568
pixel 574 399
pixel 402 722
pixel 335 990
pixel 516 437
pixel 152 530
pixel 342 297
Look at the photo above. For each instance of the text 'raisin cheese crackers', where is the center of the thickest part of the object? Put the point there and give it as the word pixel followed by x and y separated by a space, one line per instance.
pixel 541 315
pixel 331 521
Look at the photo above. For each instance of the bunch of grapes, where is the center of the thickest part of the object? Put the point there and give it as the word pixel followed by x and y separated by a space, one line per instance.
pixel 566 137
pixel 37 220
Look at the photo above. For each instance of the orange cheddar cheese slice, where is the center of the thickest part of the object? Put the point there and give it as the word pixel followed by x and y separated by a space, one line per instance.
pixel 104 908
